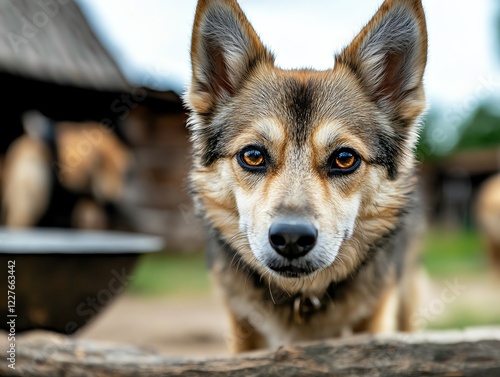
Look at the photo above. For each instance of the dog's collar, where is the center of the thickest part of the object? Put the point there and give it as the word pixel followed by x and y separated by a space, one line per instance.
pixel 303 306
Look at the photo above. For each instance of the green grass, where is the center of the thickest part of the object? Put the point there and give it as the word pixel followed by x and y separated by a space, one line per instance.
pixel 453 253
pixel 463 318
pixel 461 255
pixel 174 275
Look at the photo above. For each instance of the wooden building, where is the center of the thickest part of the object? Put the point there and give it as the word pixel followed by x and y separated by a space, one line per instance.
pixel 451 186
pixel 52 62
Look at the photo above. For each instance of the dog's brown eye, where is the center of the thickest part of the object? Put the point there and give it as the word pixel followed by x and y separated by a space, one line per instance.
pixel 344 161
pixel 252 159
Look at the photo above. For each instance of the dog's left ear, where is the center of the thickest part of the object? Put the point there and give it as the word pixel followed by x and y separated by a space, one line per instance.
pixel 389 57
pixel 224 49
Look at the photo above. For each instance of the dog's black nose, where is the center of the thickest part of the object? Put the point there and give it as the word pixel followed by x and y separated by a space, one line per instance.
pixel 292 238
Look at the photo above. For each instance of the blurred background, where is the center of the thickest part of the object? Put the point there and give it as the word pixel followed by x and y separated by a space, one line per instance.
pixel 93 137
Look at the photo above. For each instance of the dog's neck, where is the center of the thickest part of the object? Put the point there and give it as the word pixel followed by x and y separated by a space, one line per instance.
pixel 302 305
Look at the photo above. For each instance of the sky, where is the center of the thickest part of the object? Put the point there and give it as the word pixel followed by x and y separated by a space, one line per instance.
pixel 152 38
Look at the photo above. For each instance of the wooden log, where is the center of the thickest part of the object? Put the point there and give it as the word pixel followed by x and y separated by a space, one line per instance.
pixel 466 353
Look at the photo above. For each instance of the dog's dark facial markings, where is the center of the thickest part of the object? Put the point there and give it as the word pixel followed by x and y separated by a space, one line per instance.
pixel 300 100
pixel 389 151
pixel 212 150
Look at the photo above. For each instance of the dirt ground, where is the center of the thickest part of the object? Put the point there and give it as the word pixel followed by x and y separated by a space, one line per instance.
pixel 173 326
pixel 195 327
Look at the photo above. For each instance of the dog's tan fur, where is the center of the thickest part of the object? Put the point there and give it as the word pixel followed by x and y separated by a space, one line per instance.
pixel 370 102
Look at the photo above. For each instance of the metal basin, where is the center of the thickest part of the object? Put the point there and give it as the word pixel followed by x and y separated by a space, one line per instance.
pixel 65 278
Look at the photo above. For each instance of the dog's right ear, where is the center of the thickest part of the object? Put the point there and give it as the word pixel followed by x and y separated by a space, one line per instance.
pixel 224 49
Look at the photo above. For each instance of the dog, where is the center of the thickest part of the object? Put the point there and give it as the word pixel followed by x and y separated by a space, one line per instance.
pixel 306 179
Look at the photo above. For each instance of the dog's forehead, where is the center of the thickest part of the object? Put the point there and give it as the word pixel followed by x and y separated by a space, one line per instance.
pixel 303 102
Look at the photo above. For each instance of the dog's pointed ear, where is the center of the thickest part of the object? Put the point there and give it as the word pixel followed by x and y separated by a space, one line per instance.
pixel 389 57
pixel 224 49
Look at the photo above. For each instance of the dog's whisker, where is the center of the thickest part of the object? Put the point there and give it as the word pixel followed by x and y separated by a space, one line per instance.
pixel 271 292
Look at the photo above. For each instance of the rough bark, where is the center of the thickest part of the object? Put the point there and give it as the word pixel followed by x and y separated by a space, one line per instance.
pixel 466 353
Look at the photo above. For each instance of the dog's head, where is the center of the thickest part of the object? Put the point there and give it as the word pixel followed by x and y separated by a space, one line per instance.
pixel 302 171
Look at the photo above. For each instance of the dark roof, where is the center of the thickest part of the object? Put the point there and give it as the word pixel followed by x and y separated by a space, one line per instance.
pixel 56 44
